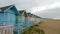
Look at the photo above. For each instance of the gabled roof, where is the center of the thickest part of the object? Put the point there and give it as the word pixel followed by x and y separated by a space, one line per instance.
pixel 29 14
pixel 21 11
pixel 4 8
pixel 36 16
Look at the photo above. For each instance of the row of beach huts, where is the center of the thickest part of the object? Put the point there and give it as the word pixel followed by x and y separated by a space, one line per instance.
pixel 17 20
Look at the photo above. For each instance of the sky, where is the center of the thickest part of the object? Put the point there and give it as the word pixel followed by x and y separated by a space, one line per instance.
pixel 42 8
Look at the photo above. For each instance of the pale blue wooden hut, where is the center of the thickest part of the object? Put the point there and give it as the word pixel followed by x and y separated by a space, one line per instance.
pixel 27 23
pixel 8 15
pixel 22 20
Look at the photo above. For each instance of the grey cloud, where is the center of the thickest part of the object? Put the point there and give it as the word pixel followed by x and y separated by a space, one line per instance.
pixel 51 13
pixel 25 4
pixel 28 4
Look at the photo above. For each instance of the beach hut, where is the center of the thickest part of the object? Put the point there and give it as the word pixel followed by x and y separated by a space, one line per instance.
pixel 23 18
pixel 33 19
pixel 37 19
pixel 20 21
pixel 8 15
pixel 26 23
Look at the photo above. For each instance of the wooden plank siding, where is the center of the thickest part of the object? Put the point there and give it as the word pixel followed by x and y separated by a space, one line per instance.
pixel 6 29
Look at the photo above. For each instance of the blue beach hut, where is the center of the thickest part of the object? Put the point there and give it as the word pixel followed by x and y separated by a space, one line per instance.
pixel 8 15
pixel 20 21
pixel 33 19
pixel 26 23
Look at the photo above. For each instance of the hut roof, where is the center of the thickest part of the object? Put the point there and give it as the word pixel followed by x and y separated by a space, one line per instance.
pixel 33 15
pixel 21 11
pixel 4 8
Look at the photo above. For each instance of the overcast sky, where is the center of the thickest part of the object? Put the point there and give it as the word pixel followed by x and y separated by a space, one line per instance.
pixel 43 8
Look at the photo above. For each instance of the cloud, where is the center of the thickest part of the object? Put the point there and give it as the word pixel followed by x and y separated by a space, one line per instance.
pixel 25 4
pixel 42 8
pixel 50 13
pixel 20 4
pixel 47 11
